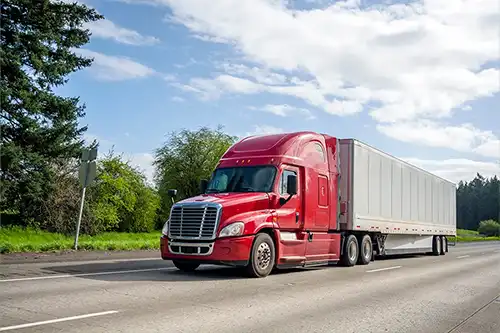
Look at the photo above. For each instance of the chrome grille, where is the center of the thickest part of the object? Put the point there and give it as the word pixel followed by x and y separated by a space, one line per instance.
pixel 194 221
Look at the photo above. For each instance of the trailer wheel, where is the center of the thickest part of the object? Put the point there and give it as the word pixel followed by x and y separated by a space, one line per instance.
pixel 262 256
pixel 350 254
pixel 444 245
pixel 365 250
pixel 436 245
pixel 185 266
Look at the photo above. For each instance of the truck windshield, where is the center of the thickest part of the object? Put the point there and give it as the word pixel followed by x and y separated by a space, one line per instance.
pixel 242 179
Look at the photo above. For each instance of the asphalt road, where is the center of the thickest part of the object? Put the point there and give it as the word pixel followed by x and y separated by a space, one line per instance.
pixel 458 292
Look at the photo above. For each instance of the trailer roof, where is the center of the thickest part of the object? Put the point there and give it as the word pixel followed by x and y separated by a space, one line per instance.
pixel 359 142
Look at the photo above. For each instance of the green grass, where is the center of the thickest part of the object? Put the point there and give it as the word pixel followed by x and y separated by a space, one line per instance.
pixel 30 240
pixel 464 232
pixel 471 236
pixel 473 239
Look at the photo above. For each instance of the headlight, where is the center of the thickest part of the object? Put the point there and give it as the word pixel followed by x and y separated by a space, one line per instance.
pixel 164 231
pixel 233 229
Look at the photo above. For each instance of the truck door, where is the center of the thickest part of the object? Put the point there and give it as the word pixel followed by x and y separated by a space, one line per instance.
pixel 290 214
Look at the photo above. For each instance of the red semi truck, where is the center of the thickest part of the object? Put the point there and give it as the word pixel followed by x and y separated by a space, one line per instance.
pixel 304 198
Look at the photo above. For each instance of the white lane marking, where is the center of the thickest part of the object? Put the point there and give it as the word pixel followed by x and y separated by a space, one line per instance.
pixel 497 251
pixel 45 277
pixel 465 256
pixel 52 321
pixel 383 269
pixel 103 260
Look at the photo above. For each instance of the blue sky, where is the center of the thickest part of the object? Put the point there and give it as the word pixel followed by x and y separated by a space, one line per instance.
pixel 418 80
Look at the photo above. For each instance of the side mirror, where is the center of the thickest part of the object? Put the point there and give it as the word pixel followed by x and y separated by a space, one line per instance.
pixel 291 184
pixel 203 185
pixel 172 193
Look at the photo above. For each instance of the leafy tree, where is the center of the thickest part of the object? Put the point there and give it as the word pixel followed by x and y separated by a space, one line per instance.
pixel 120 199
pixel 186 158
pixel 39 130
pixel 143 217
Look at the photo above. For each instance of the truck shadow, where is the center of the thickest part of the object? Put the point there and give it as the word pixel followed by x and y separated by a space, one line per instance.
pixel 154 271
pixel 164 271
pixel 400 256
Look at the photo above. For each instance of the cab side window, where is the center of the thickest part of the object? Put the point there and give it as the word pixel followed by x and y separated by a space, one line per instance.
pixel 283 181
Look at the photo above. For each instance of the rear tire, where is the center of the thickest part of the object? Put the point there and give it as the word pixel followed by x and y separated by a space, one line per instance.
pixel 444 245
pixel 365 250
pixel 350 252
pixel 262 256
pixel 436 245
pixel 185 266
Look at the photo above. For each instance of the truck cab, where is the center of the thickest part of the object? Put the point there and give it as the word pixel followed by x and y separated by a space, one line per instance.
pixel 272 202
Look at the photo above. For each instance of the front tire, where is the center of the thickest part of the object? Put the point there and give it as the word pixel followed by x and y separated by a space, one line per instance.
pixel 185 266
pixel 350 252
pixel 262 256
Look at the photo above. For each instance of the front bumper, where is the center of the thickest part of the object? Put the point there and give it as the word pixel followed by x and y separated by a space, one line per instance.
pixel 234 251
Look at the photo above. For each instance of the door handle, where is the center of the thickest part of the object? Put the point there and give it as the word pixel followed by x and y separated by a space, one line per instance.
pixel 296 217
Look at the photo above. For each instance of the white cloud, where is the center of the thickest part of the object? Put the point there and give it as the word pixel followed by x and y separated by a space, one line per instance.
pixel 178 99
pixel 457 169
pixel 170 77
pixel 260 75
pixel 463 138
pixel 265 130
pixel 108 30
pixel 212 89
pixel 114 68
pixel 421 59
pixel 284 110
pixel 209 89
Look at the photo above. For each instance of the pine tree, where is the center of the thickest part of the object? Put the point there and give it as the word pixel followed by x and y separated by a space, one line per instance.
pixel 38 128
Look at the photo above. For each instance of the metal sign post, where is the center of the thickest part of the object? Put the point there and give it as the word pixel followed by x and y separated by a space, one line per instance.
pixel 86 175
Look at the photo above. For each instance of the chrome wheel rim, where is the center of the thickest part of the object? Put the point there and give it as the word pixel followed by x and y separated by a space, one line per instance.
pixel 367 250
pixel 263 255
pixel 352 251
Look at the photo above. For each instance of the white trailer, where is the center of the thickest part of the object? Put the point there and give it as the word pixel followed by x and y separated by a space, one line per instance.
pixel 404 208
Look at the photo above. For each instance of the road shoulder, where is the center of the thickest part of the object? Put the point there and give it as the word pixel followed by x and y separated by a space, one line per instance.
pixel 69 256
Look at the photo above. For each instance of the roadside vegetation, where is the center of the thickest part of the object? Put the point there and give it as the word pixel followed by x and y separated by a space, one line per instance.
pixel 42 141
pixel 16 239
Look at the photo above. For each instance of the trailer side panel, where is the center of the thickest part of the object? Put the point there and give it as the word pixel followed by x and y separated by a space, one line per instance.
pixel 391 196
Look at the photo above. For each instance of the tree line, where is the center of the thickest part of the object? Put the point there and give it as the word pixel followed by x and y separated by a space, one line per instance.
pixel 42 140
pixel 479 200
